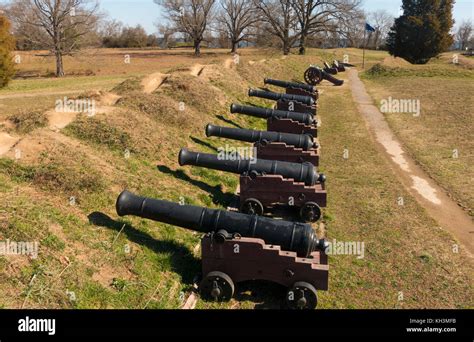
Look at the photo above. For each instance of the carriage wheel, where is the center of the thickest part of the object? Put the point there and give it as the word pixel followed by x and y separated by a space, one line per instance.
pixel 302 296
pixel 217 286
pixel 313 76
pixel 252 206
pixel 310 212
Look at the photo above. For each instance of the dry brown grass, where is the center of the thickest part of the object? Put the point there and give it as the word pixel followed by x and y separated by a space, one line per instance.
pixel 102 62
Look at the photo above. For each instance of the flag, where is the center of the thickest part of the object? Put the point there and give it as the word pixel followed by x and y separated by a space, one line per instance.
pixel 369 28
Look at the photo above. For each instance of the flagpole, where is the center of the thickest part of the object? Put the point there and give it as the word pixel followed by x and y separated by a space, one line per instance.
pixel 363 50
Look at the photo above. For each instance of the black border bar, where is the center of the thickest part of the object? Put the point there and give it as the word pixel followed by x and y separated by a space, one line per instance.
pixel 317 323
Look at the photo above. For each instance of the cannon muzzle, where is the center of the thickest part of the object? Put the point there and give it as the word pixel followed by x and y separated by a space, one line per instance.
pixel 304 172
pixel 304 141
pixel 294 85
pixel 307 100
pixel 267 113
pixel 290 236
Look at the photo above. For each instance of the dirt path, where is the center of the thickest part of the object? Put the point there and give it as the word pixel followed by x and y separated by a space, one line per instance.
pixel 431 196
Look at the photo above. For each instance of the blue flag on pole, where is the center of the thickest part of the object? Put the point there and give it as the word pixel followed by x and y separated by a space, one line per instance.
pixel 369 28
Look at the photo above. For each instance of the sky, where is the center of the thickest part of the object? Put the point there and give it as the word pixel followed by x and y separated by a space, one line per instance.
pixel 146 12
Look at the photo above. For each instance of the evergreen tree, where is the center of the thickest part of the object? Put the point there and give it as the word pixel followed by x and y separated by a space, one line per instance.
pixel 7 44
pixel 422 32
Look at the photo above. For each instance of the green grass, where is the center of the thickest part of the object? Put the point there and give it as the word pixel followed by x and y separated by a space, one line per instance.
pixel 95 131
pixel 51 174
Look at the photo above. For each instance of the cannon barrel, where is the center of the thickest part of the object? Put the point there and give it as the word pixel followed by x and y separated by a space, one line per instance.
pixel 267 113
pixel 305 172
pixel 270 95
pixel 328 77
pixel 290 236
pixel 286 84
pixel 304 141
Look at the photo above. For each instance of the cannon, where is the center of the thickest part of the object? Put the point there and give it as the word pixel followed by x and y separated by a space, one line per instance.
pixel 294 88
pixel 302 173
pixel 329 69
pixel 288 102
pixel 314 75
pixel 238 247
pixel 339 66
pixel 295 148
pixel 268 183
pixel 267 113
pixel 305 100
pixel 290 236
pixel 285 84
pixel 345 64
pixel 281 120
pixel 304 141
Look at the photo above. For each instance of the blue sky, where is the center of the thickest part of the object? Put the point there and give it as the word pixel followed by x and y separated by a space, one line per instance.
pixel 146 12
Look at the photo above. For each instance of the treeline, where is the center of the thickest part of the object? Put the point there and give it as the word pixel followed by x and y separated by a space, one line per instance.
pixel 64 27
pixel 114 34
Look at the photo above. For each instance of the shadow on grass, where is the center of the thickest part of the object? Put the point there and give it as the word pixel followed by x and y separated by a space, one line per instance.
pixel 265 294
pixel 217 195
pixel 230 122
pixel 204 143
pixel 181 259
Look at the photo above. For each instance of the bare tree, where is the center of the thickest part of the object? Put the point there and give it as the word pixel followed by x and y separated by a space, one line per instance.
pixel 190 17
pixel 382 21
pixel 470 44
pixel 316 16
pixel 281 20
pixel 353 31
pixel 237 16
pixel 60 25
pixel 463 34
pixel 167 32
pixel 110 32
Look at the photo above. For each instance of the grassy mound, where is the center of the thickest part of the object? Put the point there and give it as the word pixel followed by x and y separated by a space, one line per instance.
pixel 26 122
pixel 429 70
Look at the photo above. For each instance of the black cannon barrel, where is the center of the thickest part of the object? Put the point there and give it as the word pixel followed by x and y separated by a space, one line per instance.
pixel 305 172
pixel 270 95
pixel 267 113
pixel 286 84
pixel 330 78
pixel 304 141
pixel 290 236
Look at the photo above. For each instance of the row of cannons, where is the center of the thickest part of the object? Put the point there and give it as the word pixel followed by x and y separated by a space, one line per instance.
pixel 250 245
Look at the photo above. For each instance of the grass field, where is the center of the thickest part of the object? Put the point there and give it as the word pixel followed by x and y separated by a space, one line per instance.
pixel 62 193
pixel 440 139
